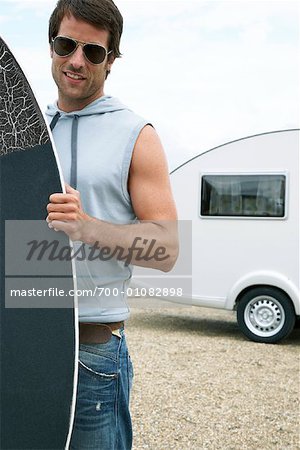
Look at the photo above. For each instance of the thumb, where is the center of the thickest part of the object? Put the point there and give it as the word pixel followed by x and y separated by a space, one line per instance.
pixel 70 190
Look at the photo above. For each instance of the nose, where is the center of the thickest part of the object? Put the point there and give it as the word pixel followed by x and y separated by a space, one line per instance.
pixel 77 58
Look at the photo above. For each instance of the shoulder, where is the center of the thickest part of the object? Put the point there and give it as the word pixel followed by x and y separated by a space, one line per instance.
pixel 148 136
pixel 149 183
pixel 148 153
pixel 148 140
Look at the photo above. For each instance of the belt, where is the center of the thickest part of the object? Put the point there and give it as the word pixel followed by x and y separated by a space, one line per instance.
pixel 97 333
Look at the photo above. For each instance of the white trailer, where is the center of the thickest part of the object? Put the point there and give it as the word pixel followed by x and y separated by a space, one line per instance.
pixel 242 199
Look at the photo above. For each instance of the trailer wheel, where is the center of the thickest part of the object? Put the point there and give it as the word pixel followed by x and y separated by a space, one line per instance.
pixel 265 314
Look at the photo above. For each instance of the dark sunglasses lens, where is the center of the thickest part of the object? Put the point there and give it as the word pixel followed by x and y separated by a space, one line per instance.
pixel 64 46
pixel 94 53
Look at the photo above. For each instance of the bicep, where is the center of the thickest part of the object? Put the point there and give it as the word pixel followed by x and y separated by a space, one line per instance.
pixel 149 183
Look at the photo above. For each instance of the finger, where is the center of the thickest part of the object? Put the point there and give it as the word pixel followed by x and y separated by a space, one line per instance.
pixel 49 223
pixel 57 225
pixel 62 207
pixel 67 228
pixel 65 217
pixel 63 198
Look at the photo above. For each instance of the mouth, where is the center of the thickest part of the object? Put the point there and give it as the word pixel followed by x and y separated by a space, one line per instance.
pixel 75 77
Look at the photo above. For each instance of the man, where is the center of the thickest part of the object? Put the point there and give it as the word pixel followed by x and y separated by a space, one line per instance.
pixel 118 200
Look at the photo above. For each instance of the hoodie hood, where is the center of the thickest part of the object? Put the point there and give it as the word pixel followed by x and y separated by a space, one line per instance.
pixel 102 105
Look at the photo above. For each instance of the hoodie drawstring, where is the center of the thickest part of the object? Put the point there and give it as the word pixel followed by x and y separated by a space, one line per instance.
pixel 54 121
pixel 73 176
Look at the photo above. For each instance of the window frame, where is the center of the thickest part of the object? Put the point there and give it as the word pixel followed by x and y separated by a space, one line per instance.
pixel 242 173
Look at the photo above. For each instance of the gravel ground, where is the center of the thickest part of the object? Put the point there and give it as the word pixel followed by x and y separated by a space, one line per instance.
pixel 199 384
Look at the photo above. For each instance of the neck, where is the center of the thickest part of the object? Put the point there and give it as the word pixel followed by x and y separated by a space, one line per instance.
pixel 72 104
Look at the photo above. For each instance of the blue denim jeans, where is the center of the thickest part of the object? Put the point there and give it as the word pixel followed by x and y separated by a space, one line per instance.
pixel 102 417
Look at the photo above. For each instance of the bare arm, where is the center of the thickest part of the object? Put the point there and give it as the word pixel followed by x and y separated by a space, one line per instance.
pixel 152 201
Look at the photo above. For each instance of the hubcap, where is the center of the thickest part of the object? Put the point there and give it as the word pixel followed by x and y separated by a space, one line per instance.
pixel 264 316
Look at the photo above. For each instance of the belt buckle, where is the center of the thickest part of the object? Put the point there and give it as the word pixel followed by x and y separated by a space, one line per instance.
pixel 116 333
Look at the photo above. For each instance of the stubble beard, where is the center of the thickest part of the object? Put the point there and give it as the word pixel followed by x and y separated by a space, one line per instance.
pixel 75 99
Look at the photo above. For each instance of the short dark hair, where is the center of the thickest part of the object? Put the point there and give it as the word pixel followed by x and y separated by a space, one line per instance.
pixel 103 14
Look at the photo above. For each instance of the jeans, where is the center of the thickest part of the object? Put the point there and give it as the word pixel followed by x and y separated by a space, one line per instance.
pixel 102 417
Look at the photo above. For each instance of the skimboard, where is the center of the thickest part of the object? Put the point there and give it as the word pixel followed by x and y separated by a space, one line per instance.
pixel 38 323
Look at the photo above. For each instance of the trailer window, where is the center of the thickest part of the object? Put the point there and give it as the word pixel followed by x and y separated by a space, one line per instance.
pixel 243 195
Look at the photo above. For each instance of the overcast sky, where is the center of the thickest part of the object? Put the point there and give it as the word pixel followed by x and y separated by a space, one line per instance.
pixel 203 72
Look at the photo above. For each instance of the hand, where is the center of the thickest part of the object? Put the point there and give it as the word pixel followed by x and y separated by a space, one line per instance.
pixel 65 213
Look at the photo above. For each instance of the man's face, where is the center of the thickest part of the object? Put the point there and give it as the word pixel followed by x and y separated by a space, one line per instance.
pixel 73 93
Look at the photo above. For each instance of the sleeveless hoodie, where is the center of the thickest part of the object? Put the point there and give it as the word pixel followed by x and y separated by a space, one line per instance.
pixel 95 148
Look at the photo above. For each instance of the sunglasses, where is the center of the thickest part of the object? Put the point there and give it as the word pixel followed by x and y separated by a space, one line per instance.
pixel 65 46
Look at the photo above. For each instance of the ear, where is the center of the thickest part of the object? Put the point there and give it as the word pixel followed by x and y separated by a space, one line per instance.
pixel 110 61
pixel 51 50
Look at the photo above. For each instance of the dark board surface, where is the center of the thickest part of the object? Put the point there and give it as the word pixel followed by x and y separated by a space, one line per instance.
pixel 37 344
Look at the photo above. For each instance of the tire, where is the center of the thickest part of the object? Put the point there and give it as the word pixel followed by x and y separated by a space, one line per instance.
pixel 265 314
pixel 297 323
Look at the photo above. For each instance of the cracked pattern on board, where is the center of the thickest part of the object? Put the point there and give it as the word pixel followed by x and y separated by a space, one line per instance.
pixel 21 123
